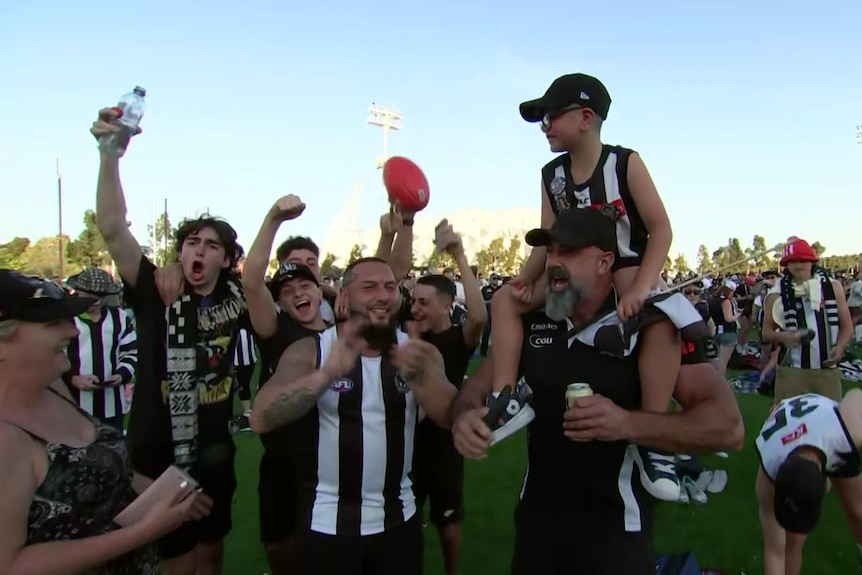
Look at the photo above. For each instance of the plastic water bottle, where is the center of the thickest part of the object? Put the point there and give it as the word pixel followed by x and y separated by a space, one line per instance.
pixel 131 108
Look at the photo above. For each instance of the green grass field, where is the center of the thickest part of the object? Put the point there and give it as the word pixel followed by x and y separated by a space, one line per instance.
pixel 724 534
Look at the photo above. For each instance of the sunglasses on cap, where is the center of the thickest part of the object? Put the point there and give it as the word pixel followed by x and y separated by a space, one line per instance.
pixel 549 117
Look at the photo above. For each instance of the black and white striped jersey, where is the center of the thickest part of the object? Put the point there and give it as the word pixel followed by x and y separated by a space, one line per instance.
pixel 245 354
pixel 354 450
pixel 606 190
pixel 104 348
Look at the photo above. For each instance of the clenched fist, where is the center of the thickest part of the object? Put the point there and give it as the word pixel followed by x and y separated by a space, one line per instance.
pixel 107 123
pixel 391 222
pixel 287 208
pixel 446 239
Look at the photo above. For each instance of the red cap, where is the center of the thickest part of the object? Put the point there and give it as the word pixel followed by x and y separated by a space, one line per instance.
pixel 798 250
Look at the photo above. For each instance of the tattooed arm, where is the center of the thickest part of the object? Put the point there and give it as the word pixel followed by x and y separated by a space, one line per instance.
pixel 292 390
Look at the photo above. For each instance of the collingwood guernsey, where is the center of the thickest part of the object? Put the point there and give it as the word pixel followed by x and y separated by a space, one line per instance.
pixel 354 450
pixel 808 420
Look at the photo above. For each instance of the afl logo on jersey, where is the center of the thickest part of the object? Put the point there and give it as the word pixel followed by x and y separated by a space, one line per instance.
pixel 342 385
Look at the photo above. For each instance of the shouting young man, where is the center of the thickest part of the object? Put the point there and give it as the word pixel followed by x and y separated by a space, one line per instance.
pixel 183 394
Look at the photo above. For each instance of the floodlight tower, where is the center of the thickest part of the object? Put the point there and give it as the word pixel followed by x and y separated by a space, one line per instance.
pixel 859 134
pixel 387 118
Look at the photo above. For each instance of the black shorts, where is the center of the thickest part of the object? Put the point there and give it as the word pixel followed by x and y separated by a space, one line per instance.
pixel 554 541
pixel 215 473
pixel 438 474
pixel 276 491
pixel 627 262
pixel 398 551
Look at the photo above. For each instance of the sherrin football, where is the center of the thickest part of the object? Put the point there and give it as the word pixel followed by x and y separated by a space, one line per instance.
pixel 405 184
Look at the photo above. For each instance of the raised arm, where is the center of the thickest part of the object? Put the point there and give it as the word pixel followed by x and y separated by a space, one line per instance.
pixel 477 312
pixel 261 310
pixel 396 226
pixel 111 207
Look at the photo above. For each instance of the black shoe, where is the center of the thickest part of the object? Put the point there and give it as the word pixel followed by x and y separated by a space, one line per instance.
pixel 658 472
pixel 239 424
pixel 509 411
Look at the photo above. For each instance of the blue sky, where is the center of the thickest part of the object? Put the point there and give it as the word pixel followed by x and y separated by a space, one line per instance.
pixel 745 112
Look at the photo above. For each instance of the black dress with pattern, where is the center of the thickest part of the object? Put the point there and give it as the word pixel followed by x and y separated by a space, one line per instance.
pixel 84 489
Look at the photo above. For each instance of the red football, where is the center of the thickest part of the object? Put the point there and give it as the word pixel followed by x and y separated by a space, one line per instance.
pixel 406 184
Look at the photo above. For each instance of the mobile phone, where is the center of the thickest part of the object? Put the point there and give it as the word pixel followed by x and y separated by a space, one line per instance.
pixel 171 483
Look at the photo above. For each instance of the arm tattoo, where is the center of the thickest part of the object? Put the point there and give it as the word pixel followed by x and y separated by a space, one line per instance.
pixel 288 407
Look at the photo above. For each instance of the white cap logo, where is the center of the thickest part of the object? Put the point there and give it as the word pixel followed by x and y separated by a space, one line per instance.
pixel 585 96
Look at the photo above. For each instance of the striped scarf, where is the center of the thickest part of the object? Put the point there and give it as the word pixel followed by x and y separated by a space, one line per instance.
pixel 200 352
pixel 792 302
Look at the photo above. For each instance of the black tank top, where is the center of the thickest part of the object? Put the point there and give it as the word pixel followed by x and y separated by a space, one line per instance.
pixel 84 489
pixel 606 189
pixel 717 315
pixel 583 477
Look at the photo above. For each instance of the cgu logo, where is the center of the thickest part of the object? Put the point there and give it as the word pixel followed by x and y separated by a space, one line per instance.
pixel 342 385
pixel 538 341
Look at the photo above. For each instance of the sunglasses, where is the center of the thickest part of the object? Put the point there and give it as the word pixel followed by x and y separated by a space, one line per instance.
pixel 549 117
pixel 691 292
pixel 43 288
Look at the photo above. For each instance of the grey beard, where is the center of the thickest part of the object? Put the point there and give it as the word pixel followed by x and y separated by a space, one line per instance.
pixel 560 305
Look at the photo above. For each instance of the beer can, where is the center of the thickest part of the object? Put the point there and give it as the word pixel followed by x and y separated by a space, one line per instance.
pixel 574 391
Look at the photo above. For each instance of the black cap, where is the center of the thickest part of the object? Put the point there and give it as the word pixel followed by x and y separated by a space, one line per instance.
pixel 30 299
pixel 799 489
pixel 569 90
pixel 289 272
pixel 578 228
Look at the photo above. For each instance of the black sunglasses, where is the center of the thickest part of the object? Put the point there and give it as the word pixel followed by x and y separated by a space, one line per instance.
pixel 691 292
pixel 549 117
pixel 42 288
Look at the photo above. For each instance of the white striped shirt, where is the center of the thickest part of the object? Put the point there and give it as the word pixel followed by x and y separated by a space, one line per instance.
pixel 104 348
pixel 245 354
pixel 357 481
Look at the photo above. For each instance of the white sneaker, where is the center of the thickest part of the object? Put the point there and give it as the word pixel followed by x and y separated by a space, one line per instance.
pixel 718 482
pixel 695 494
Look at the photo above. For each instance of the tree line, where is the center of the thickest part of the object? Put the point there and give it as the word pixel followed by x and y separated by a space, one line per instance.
pixel 498 257
pixel 502 255
pixel 42 257
pixel 736 259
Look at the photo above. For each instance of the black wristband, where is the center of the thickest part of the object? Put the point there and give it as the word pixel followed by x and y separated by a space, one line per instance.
pixel 406 221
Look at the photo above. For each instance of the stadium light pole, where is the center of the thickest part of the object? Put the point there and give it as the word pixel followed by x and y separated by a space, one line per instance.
pixel 859 134
pixel 387 118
